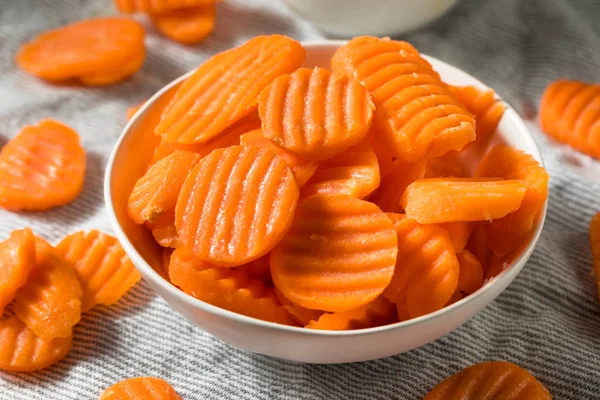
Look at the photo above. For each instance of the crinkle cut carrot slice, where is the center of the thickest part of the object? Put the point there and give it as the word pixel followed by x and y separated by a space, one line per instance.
pixel 166 148
pixel 41 168
pixel 448 165
pixel 426 274
pixel 236 205
pixel 440 200
pixel 187 25
pixel 416 115
pixel 394 183
pixel 226 87
pixel 354 172
pixel 17 259
pixel 470 276
pixel 339 254
pixel 166 260
pixel 102 267
pixel 507 233
pixel 555 100
pixel 376 313
pixel 302 315
pixel 21 350
pixel 229 137
pixel 141 388
pixel 490 380
pixel 459 233
pixel 88 49
pixel 158 6
pixel 570 112
pixel 424 127
pixel 479 244
pixel 258 269
pixel 595 245
pixel 50 302
pixel 486 108
pixel 108 77
pixel 385 158
pixel 185 261
pixel 303 170
pixel 225 288
pixel 157 190
pixel 315 114
pixel 164 231
pixel 367 52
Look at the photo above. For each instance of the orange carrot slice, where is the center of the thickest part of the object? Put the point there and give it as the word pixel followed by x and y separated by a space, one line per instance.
pixel 157 190
pixel 507 233
pixel 569 113
pixel 470 276
pixel 459 233
pixel 226 87
pixel 354 172
pixel 186 25
pixel 164 231
pixel 376 313
pixel 393 185
pixel 448 165
pixel 363 55
pixel 98 50
pixel 166 260
pixel 303 170
pixel 142 388
pixel 41 168
pixel 315 114
pixel 416 115
pixel 427 270
pixel 229 137
pixel 102 267
pixel 479 244
pixel 17 259
pixel 21 350
pixel 431 201
pixel 225 288
pixel 339 254
pixel 302 315
pixel 258 269
pixel 595 245
pixel 133 110
pixel 50 302
pixel 185 260
pixel 129 67
pixel 486 108
pixel 385 158
pixel 554 100
pixel 236 205
pixel 490 380
pixel 157 6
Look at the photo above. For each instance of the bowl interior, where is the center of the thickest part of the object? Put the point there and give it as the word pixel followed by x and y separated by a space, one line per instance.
pixel 134 150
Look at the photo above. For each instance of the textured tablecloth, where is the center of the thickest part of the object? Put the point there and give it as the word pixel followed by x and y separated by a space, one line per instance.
pixel 547 321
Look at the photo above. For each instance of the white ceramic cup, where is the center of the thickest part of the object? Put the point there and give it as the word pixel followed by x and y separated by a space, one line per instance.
pixel 129 160
pixel 347 18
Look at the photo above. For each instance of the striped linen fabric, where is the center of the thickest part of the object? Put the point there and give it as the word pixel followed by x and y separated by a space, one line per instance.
pixel 547 321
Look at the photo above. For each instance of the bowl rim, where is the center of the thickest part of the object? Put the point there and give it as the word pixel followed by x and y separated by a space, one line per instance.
pixel 508 273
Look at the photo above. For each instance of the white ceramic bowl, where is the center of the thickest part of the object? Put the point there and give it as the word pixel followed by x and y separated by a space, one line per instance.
pixel 347 18
pixel 129 160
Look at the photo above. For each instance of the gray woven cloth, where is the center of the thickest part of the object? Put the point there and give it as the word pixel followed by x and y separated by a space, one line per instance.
pixel 547 321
